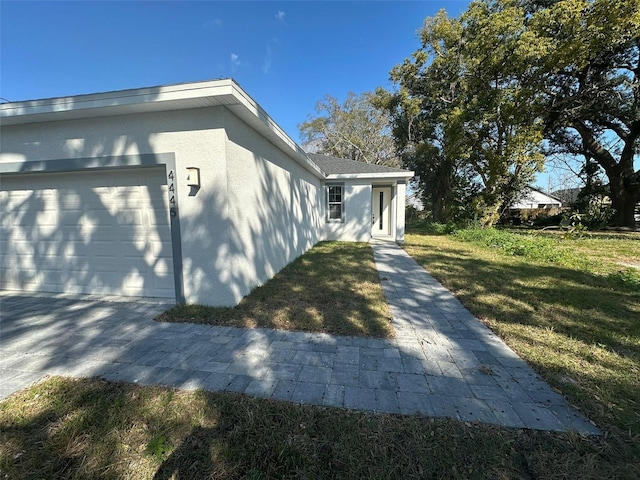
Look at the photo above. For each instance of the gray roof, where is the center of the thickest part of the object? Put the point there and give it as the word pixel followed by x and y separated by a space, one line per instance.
pixel 567 195
pixel 341 166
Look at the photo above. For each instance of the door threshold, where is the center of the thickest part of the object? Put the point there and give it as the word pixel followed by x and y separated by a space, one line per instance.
pixel 382 238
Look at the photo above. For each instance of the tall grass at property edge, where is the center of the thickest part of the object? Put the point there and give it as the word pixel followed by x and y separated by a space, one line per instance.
pixel 333 288
pixel 582 253
pixel 569 307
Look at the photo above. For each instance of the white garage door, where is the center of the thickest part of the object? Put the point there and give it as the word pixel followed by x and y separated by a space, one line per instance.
pixel 101 232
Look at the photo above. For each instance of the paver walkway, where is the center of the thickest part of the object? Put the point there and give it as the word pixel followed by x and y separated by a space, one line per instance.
pixel 443 361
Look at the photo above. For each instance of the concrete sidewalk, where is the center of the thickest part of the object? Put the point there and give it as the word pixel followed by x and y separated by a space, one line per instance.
pixel 442 363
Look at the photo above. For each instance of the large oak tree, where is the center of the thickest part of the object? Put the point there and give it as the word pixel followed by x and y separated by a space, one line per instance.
pixel 464 108
pixel 590 76
pixel 483 91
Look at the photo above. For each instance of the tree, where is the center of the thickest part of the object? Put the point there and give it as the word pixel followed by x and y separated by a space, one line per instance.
pixel 464 105
pixel 485 89
pixel 426 124
pixel 590 74
pixel 355 129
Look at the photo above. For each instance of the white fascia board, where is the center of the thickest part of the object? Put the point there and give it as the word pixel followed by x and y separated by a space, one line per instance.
pixel 86 105
pixel 153 99
pixel 372 176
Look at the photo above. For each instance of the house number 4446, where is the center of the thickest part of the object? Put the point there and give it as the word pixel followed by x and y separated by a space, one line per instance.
pixel 172 193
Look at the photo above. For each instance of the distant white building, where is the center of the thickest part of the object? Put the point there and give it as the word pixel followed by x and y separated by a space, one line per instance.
pixel 533 199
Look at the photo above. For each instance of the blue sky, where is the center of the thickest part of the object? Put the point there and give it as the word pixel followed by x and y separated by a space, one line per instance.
pixel 286 55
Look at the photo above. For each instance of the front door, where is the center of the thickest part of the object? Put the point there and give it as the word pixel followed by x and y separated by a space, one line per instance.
pixel 381 212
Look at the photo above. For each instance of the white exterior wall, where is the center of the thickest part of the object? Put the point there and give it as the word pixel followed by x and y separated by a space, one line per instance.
pixel 357 222
pixel 275 208
pixel 357 213
pixel 196 137
pixel 257 209
pixel 400 202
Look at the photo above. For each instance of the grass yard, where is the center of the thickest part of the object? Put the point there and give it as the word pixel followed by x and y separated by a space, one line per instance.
pixel 569 307
pixel 64 428
pixel 333 288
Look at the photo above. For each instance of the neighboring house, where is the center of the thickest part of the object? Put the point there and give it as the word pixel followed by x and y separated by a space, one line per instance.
pixel 533 199
pixel 189 192
pixel 568 196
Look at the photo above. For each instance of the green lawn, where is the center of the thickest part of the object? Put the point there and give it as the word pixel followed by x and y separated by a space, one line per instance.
pixel 333 288
pixel 567 306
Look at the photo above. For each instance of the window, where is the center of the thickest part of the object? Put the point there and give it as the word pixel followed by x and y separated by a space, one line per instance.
pixel 335 203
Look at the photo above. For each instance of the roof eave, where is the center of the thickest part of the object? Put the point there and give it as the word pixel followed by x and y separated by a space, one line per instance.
pixel 248 109
pixel 111 103
pixel 366 176
pixel 546 194
pixel 212 93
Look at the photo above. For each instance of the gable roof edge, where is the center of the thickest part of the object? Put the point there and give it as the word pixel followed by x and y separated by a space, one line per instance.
pixel 335 168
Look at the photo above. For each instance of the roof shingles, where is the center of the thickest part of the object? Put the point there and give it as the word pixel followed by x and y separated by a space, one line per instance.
pixel 341 166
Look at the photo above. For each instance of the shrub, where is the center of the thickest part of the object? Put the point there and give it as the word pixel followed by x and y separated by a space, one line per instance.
pixel 515 244
pixel 597 217
pixel 550 221
pixel 431 228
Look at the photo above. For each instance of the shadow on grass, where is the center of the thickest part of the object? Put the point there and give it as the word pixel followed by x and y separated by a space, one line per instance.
pixel 333 288
pixel 584 306
pixel 66 428
pixel 580 330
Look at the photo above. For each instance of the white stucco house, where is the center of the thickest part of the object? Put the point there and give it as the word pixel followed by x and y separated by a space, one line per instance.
pixel 189 192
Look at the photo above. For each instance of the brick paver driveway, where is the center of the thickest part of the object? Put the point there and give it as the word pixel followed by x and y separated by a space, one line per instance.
pixel 443 361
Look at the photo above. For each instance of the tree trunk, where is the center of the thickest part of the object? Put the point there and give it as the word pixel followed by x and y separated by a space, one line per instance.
pixel 437 208
pixel 438 197
pixel 624 203
pixel 624 189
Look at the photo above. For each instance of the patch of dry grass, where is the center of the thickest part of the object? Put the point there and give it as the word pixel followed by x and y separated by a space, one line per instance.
pixel 64 428
pixel 333 288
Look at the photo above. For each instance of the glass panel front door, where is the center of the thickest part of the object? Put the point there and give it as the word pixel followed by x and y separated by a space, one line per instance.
pixel 381 212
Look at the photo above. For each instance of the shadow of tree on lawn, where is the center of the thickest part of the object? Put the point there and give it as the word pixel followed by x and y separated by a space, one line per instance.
pixel 333 288
pixel 579 329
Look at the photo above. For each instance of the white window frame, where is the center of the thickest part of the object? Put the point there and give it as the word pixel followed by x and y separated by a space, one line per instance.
pixel 328 202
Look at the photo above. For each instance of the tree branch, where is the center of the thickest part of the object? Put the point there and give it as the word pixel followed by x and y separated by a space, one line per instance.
pixel 600 154
pixel 626 157
pixel 617 128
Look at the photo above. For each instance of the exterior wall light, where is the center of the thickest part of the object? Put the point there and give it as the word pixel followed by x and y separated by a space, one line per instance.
pixel 193 177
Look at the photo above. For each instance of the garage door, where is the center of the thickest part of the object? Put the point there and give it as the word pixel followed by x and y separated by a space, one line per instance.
pixel 99 232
